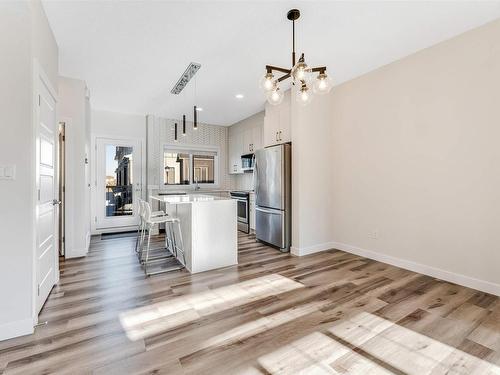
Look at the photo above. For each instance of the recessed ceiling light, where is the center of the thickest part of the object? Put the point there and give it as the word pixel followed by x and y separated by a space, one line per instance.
pixel 239 96
pixel 199 109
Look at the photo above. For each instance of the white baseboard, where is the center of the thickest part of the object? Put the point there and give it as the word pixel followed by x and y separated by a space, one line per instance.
pixel 17 328
pixel 301 251
pixel 75 253
pixel 470 282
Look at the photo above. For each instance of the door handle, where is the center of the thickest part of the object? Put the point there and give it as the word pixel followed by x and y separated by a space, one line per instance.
pixel 55 202
pixel 267 211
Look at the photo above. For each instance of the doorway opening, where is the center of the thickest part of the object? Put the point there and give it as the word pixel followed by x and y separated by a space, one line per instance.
pixel 62 186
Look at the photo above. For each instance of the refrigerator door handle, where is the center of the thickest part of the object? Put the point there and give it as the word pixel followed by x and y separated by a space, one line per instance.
pixel 268 211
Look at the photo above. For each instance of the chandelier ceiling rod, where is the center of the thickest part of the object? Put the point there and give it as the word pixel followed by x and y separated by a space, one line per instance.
pixel 293 35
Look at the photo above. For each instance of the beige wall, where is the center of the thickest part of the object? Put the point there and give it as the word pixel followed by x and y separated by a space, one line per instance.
pixel 415 155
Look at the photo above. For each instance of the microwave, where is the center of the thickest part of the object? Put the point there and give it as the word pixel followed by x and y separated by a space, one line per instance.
pixel 247 162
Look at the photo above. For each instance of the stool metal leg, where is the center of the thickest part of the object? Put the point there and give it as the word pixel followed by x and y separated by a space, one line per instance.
pixel 147 252
pixel 182 243
pixel 139 232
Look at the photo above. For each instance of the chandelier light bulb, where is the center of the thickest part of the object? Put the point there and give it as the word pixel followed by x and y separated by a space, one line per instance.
pixel 301 71
pixel 266 82
pixel 275 96
pixel 323 84
pixel 304 95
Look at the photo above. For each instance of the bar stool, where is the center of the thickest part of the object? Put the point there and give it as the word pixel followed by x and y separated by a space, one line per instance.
pixel 171 239
pixel 141 227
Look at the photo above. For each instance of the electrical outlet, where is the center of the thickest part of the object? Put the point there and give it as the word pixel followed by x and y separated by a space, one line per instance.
pixel 373 234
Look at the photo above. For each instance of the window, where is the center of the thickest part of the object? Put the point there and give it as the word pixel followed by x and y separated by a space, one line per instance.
pixel 177 168
pixel 204 169
pixel 189 166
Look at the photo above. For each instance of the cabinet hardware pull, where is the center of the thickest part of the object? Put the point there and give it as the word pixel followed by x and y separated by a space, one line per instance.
pixel 277 134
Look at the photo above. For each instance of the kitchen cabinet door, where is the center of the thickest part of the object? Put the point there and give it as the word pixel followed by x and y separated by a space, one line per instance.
pixel 285 120
pixel 235 145
pixel 257 137
pixel 248 141
pixel 271 125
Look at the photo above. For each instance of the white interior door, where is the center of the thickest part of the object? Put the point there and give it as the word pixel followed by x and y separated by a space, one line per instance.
pixel 118 182
pixel 46 213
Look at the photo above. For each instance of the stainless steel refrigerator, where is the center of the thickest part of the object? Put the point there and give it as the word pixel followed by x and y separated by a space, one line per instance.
pixel 273 198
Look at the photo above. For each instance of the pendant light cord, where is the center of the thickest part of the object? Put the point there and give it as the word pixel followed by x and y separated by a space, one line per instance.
pixel 293 43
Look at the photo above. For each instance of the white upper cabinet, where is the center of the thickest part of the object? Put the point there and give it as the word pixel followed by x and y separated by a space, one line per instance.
pixel 244 137
pixel 277 126
pixel 235 146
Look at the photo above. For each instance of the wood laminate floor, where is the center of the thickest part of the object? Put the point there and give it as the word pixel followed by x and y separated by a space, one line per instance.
pixel 326 313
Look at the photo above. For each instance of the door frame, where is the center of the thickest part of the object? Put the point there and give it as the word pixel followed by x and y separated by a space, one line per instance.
pixel 39 75
pixel 94 170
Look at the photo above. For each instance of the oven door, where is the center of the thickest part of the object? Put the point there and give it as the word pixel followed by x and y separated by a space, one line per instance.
pixel 242 210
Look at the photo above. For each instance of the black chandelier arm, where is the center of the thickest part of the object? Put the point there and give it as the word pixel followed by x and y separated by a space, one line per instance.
pixel 284 77
pixel 270 68
pixel 320 69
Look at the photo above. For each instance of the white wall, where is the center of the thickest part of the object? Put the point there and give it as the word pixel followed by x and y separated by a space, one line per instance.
pixel 414 155
pixel 114 124
pixel 107 124
pixel 24 36
pixel 73 109
pixel 311 176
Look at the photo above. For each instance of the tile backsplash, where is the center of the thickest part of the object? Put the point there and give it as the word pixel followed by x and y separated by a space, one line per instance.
pixel 242 181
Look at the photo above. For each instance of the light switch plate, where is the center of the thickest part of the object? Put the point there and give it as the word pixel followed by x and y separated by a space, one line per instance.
pixel 8 172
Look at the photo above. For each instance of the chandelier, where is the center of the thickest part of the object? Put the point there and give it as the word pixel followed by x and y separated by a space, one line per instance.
pixel 301 74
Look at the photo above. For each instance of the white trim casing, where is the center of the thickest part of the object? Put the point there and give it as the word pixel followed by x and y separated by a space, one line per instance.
pixel 93 173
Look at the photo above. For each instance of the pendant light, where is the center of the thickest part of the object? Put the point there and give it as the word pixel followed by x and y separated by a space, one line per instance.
pixel 195 116
pixel 300 73
pixel 183 125
pixel 195 111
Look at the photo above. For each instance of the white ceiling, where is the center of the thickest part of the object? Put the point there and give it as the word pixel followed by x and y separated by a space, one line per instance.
pixel 131 53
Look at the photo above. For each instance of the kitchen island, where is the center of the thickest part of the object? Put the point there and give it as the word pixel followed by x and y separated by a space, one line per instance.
pixel 209 229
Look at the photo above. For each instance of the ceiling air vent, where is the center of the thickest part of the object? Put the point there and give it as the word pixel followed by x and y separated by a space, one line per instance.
pixel 186 76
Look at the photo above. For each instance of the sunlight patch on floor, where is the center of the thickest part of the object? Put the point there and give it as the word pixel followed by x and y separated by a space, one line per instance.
pixel 318 354
pixel 383 348
pixel 406 350
pixel 159 317
pixel 263 324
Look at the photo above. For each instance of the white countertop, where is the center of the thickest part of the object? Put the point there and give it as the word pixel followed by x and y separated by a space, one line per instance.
pixel 187 198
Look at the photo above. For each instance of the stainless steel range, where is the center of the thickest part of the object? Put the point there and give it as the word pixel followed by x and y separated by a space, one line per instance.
pixel 243 204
